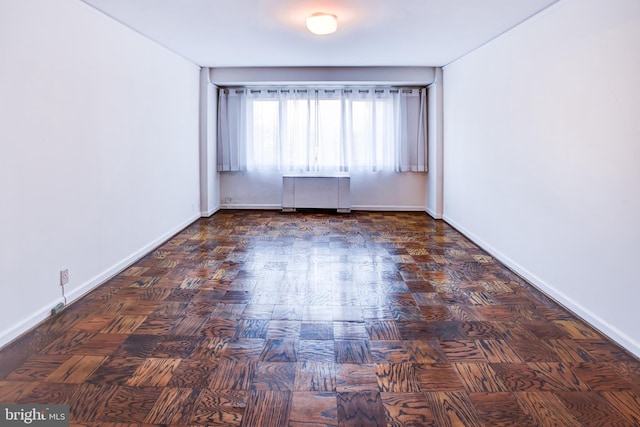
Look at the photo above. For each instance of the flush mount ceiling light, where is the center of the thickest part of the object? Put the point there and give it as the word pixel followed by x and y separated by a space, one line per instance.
pixel 322 23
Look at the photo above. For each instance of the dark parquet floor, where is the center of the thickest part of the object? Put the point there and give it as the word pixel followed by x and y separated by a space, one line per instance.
pixel 318 319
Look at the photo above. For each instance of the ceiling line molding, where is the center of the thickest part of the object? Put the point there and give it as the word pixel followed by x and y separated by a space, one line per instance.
pixel 244 76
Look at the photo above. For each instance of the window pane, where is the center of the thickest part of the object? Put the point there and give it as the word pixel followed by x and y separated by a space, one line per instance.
pixel 362 153
pixel 263 134
pixel 334 130
pixel 296 125
pixel 327 148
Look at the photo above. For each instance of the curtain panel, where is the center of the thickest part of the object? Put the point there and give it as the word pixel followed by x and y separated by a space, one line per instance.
pixel 322 129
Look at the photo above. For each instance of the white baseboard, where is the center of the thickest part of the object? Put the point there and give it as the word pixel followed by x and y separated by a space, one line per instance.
pixel 73 295
pixel 384 208
pixel 433 214
pixel 379 208
pixel 207 214
pixel 229 206
pixel 24 326
pixel 565 301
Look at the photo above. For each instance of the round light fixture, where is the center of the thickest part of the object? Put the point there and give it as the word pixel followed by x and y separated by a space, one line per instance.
pixel 322 23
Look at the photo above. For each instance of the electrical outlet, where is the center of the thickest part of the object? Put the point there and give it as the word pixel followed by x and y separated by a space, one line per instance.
pixel 64 277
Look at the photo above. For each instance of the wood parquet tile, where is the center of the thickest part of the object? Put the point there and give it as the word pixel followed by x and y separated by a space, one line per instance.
pixel 259 318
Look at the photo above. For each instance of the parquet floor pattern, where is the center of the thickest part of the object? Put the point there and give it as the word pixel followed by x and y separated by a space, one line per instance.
pixel 259 318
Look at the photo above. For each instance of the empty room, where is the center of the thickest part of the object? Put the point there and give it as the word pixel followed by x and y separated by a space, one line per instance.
pixel 320 213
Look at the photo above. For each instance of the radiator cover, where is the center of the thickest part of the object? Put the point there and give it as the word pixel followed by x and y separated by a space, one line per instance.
pixel 316 190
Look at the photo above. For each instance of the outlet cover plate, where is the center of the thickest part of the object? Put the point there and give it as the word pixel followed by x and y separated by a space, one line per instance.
pixel 64 277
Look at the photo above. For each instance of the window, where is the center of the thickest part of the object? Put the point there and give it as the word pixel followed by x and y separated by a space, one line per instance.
pixel 304 129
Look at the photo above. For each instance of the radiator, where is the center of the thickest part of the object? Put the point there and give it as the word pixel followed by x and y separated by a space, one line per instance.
pixel 316 190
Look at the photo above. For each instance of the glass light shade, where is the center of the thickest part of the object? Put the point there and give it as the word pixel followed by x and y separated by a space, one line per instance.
pixel 322 23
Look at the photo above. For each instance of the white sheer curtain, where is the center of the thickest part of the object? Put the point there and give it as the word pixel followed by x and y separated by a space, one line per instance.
pixel 326 129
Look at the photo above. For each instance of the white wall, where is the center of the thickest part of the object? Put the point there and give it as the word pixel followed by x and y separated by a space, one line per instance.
pixel 98 152
pixel 542 148
pixel 209 176
pixel 383 191
pixel 435 181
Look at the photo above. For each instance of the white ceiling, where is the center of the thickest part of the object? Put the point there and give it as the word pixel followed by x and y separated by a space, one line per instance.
pixel 261 33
